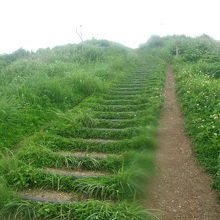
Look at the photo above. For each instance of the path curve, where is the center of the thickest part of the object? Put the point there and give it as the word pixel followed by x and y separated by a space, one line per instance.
pixel 181 189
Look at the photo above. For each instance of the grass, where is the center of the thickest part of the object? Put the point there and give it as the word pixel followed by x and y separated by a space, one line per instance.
pixel 198 89
pixel 199 96
pixel 69 126
pixel 36 85
pixel 80 211
pixel 57 100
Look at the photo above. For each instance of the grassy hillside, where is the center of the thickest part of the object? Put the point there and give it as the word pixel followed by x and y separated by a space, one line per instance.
pixel 90 112
pixel 79 123
pixel 34 86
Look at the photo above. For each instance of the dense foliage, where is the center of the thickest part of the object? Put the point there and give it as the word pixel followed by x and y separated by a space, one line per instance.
pixel 79 91
pixel 100 97
pixel 35 85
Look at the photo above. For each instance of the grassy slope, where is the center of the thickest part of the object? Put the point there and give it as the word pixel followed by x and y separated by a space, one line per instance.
pixel 34 86
pixel 39 89
pixel 87 88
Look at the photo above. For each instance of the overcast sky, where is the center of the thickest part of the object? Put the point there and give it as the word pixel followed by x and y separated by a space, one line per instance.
pixel 34 24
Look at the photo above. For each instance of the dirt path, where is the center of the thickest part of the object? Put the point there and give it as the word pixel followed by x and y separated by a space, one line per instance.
pixel 181 190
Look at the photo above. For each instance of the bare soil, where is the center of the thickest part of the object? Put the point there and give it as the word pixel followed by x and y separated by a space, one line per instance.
pixel 181 189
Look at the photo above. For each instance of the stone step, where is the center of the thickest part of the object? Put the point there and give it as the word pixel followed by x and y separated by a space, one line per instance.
pixel 52 196
pixel 115 112
pixel 142 81
pixel 95 155
pixel 123 102
pixel 100 140
pixel 122 95
pixel 128 88
pixel 109 129
pixel 136 78
pixel 131 84
pixel 109 119
pixel 119 105
pixel 74 173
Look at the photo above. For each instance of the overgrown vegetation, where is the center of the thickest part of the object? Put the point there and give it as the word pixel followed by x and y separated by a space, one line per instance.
pixel 34 86
pixel 97 97
pixel 93 99
pixel 198 87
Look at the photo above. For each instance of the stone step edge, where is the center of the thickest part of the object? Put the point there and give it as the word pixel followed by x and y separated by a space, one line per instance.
pixel 39 199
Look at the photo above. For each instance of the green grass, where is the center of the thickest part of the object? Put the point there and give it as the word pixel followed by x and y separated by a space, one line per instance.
pixel 36 85
pixel 57 99
pixel 200 100
pixel 198 88
pixel 87 210
pixel 68 125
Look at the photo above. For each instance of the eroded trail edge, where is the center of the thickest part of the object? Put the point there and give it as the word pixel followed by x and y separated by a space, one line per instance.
pixel 181 189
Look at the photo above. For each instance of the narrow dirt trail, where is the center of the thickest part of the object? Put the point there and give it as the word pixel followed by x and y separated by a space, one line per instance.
pixel 181 189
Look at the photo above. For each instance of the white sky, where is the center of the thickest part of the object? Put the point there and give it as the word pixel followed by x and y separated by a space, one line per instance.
pixel 34 24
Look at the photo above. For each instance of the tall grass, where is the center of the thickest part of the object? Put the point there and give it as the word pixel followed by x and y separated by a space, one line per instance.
pixel 198 88
pixel 35 85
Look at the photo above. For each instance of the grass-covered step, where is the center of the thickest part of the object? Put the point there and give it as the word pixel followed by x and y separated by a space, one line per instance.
pixel 95 155
pixel 129 87
pixel 120 100
pixel 119 124
pixel 91 209
pixel 131 84
pixel 109 129
pixel 131 78
pixel 126 93
pixel 136 75
pixel 117 115
pixel 59 143
pixel 118 108
pixel 75 173
pixel 51 196
pixel 143 72
pixel 117 96
pixel 124 101
pixel 102 187
pixel 94 133
pixel 129 91
pixel 98 140
pixel 41 156
pixel 109 120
